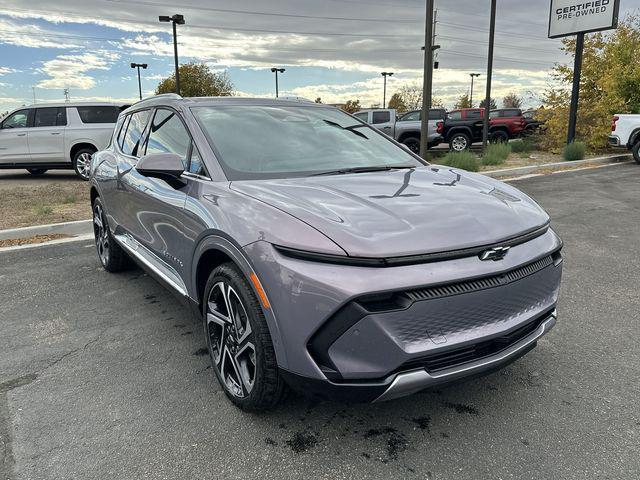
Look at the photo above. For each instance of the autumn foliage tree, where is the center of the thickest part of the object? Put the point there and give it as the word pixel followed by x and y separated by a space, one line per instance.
pixel 610 84
pixel 197 80
pixel 352 106
pixel 511 100
pixel 397 102
pixel 463 102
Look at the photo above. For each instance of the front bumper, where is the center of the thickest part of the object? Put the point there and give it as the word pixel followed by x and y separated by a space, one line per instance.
pixel 352 331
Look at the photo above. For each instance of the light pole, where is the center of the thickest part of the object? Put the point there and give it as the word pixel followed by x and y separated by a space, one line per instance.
pixel 276 71
pixel 427 79
pixel 384 94
pixel 487 107
pixel 138 66
pixel 175 20
pixel 472 76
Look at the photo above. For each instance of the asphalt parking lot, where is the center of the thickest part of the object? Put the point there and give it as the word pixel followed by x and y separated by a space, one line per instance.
pixel 104 376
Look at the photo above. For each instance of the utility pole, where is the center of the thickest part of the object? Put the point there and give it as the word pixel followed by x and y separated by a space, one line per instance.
pixel 277 71
pixel 138 65
pixel 384 95
pixel 472 76
pixel 427 84
pixel 66 95
pixel 487 107
pixel 575 94
pixel 176 19
pixel 34 94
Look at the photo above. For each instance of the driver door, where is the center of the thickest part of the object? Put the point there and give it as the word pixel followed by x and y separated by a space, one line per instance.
pixel 14 144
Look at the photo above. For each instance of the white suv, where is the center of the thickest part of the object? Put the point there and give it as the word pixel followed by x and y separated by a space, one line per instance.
pixel 56 136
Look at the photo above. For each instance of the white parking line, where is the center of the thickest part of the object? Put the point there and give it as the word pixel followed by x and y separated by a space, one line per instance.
pixel 79 238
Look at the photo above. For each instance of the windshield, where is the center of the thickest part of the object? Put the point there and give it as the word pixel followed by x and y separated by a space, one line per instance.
pixel 256 142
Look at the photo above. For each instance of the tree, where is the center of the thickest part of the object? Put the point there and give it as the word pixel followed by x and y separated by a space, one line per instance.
pixel 197 80
pixel 351 106
pixel 511 101
pixel 397 102
pixel 318 100
pixel 411 95
pixel 492 104
pixel 463 102
pixel 610 84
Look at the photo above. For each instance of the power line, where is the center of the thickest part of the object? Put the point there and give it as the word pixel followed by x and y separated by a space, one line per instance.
pixel 262 13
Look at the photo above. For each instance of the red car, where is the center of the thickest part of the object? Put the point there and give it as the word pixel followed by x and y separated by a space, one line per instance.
pixel 505 123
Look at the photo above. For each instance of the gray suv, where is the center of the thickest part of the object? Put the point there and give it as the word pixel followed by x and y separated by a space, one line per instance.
pixel 319 253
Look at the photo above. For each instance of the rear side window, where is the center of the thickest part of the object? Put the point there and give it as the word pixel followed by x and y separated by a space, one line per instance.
pixel 381 117
pixel 168 135
pixel 106 114
pixel 437 114
pixel 362 116
pixel 50 117
pixel 133 135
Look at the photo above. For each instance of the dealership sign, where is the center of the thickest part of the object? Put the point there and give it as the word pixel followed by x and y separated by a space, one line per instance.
pixel 569 17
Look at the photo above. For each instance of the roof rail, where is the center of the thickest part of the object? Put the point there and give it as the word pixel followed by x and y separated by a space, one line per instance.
pixel 296 99
pixel 162 95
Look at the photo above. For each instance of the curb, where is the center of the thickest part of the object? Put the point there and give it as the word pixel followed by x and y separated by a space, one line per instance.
pixel 79 227
pixel 511 172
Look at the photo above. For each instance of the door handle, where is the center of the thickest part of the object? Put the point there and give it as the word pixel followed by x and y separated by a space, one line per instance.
pixel 21 134
pixel 55 133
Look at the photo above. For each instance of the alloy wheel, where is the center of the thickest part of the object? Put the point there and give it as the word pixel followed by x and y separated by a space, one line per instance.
pixel 231 340
pixel 101 233
pixel 83 164
pixel 459 144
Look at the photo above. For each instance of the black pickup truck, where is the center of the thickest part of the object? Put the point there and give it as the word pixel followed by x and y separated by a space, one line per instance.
pixel 460 131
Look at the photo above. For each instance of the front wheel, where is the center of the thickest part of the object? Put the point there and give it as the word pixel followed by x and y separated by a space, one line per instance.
pixel 36 171
pixel 82 163
pixel 111 255
pixel 636 151
pixel 413 144
pixel 239 342
pixel 499 136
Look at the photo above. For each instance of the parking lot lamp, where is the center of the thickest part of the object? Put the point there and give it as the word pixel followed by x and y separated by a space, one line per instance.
pixel 139 66
pixel 384 94
pixel 276 71
pixel 471 96
pixel 175 20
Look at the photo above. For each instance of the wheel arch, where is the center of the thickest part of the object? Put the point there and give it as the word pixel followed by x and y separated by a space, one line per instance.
pixel 456 130
pixel 634 137
pixel 76 147
pixel 215 249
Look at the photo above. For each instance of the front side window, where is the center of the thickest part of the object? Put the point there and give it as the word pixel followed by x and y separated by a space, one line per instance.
pixel 494 114
pixel 294 141
pixel 168 135
pixel 455 115
pixel 133 135
pixel 17 120
pixel 98 114
pixel 381 117
pixel 50 117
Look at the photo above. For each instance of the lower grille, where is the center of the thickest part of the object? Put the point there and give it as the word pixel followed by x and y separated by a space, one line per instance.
pixel 478 351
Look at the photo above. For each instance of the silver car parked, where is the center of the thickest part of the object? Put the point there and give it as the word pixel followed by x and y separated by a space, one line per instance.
pixel 319 254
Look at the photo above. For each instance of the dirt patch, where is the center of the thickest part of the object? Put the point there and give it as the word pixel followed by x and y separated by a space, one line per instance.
pixel 40 201
pixel 516 160
pixel 29 240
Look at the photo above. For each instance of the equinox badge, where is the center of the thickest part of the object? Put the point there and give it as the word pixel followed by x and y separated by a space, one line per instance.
pixel 495 254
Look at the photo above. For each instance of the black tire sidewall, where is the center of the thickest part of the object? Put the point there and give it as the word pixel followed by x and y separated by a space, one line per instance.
pixel 636 151
pixel 75 160
pixel 414 141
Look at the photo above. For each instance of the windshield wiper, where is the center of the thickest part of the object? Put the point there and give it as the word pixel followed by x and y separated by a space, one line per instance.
pixel 351 129
pixel 380 168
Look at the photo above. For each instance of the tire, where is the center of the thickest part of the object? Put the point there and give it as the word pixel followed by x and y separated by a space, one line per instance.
pixel 636 151
pixel 459 142
pixel 413 144
pixel 36 171
pixel 82 163
pixel 112 257
pixel 499 136
pixel 241 350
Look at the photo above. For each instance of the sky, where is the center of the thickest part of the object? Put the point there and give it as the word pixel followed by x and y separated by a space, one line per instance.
pixel 332 49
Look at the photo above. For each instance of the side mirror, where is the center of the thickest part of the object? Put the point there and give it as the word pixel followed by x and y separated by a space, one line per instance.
pixel 161 165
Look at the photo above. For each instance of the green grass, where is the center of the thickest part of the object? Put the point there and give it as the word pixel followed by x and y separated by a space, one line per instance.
pixel 524 155
pixel 70 198
pixel 526 145
pixel 496 154
pixel 42 210
pixel 462 160
pixel 574 151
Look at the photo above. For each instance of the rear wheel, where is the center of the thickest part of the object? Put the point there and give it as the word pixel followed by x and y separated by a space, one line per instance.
pixel 499 136
pixel 36 171
pixel 239 342
pixel 413 143
pixel 82 162
pixel 111 255
pixel 636 151
pixel 459 142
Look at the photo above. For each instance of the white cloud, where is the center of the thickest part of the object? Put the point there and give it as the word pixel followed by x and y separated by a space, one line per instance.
pixel 6 70
pixel 69 71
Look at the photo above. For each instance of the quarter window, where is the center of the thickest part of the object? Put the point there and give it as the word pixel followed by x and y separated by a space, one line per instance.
pixel 195 165
pixel 133 135
pixel 169 135
pixel 98 114
pixel 50 117
pixel 17 120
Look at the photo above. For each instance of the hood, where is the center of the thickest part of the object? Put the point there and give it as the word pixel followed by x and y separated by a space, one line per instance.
pixel 402 212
